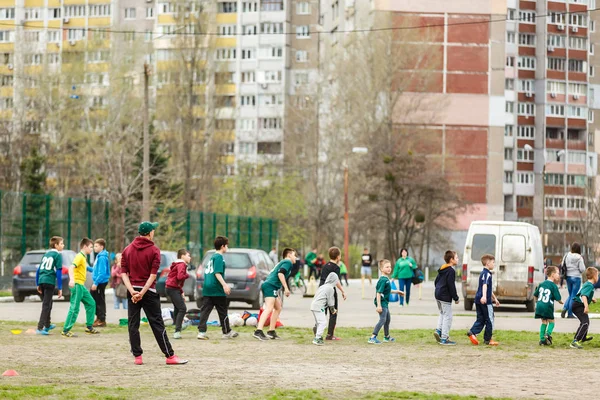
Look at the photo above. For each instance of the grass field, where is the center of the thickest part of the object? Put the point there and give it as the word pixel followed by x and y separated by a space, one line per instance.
pixel 5 293
pixel 101 367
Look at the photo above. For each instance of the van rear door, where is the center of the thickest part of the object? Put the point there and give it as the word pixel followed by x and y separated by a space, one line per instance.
pixel 511 264
pixel 483 241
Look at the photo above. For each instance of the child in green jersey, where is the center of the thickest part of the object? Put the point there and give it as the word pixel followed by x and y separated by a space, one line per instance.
pixel 382 299
pixel 47 276
pixel 581 302
pixel 545 294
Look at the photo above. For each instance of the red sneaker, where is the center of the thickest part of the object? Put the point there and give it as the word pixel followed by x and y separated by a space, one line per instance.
pixel 332 338
pixel 473 339
pixel 174 360
pixel 138 360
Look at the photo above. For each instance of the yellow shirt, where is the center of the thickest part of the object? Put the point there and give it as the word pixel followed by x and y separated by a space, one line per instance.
pixel 80 270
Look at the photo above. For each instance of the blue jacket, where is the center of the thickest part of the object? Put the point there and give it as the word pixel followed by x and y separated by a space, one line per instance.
pixel 101 268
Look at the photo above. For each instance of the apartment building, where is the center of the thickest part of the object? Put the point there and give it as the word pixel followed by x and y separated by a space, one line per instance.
pixel 549 157
pixel 468 79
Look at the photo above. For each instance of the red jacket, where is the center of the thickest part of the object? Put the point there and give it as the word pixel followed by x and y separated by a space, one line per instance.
pixel 177 275
pixel 139 260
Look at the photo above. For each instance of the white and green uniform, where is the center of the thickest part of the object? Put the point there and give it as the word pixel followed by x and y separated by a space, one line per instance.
pixel 49 268
pixel 546 293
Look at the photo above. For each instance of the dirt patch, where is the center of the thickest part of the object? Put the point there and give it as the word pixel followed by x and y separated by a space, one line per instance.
pixel 245 367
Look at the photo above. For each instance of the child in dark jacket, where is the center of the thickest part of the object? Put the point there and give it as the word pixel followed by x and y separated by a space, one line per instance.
pixel 445 292
pixel 174 286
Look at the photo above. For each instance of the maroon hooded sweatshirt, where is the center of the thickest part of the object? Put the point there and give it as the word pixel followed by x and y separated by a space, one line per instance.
pixel 140 259
pixel 177 275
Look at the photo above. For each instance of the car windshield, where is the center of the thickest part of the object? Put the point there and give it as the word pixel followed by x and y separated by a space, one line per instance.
pixel 232 260
pixel 32 258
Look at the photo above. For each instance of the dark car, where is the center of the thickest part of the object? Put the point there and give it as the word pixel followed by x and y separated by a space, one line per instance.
pixel 245 271
pixel 24 275
pixel 166 259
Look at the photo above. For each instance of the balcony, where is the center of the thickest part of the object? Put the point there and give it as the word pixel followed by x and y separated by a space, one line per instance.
pixel 576 139
pixel 555 138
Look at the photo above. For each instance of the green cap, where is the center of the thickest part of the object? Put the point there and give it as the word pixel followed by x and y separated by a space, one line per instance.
pixel 146 227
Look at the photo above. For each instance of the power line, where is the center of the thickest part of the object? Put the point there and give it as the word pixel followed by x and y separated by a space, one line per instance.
pixel 398 28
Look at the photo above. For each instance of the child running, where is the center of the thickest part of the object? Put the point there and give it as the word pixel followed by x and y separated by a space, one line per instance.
pixel 484 304
pixel 174 287
pixel 79 293
pixel 545 294
pixel 384 289
pixel 270 288
pixel 47 277
pixel 324 298
pixel 581 303
pixel 445 292
pixel 215 291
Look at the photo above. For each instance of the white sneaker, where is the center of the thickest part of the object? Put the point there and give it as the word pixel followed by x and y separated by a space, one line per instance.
pixel 185 325
pixel 177 335
pixel 202 336
pixel 232 334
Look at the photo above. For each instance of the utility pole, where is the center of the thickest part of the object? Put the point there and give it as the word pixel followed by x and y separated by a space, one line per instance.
pixel 346 219
pixel 146 139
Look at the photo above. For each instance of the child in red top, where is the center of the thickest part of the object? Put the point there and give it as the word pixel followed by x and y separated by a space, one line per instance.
pixel 177 276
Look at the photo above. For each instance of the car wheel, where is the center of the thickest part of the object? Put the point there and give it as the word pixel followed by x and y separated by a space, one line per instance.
pixel 19 298
pixel 468 304
pixel 192 297
pixel 199 302
pixel 530 305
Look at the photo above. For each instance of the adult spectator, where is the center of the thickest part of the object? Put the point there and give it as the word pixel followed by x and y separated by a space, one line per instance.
pixel 273 255
pixel 404 271
pixel 139 265
pixel 575 267
pixel 365 269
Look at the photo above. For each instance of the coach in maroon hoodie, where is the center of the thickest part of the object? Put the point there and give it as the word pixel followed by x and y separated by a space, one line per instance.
pixel 139 264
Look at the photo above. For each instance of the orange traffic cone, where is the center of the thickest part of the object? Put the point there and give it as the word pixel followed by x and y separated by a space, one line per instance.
pixel 10 372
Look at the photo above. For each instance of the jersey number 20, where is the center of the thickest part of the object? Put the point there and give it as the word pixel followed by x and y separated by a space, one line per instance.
pixel 47 263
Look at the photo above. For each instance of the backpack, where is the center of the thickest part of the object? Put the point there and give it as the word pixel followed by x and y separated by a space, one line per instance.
pixel 563 268
pixel 418 277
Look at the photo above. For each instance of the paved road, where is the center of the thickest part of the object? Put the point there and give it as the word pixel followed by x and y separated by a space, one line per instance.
pixel 354 312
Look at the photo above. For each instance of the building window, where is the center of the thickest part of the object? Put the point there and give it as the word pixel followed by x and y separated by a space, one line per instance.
pixel 508 154
pixel 526 131
pixel 271 27
pixel 527 109
pixel 54 13
pixel 301 56
pixel 75 34
pixel 149 12
pixel 249 6
pixel 249 30
pixel 33 14
pixel 508 177
pixel 301 78
pixel 526 63
pixel 556 87
pixel 557 18
pixel 555 202
pixel 6 80
pixel 577 112
pixel 270 52
pixel 591 71
pixel 510 61
pixel 524 155
pixel 74 11
pixel 248 54
pixel 248 77
pixel 556 64
pixel 555 110
pixel 7 13
pixel 302 32
pixel 270 100
pixel 31 36
pixel 226 54
pixel 268 147
pixel 578 20
pixel 271 5
pixel 525 178
pixel 556 41
pixel 578 43
pixel 130 13
pixel 509 107
pixel 228 7
pixel 227 30
pixel 303 8
pixel 511 14
pixel 527 17
pixel 579 89
pixel 591 118
pixel 577 65
pixel 248 101
pixel 510 37
pixel 508 130
pixel 527 39
pixel 575 203
pixel 272 76
pixel 576 157
pixel 100 10
pixel 270 123
pixel 527 85
pixel 592 26
pixel 167 8
pixel 576 180
pixel 32 59
pixel 554 179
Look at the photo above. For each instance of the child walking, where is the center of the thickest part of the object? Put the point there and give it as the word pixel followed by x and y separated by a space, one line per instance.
pixel 101 276
pixel 581 303
pixel 47 277
pixel 545 294
pixel 485 300
pixel 79 293
pixel 175 280
pixel 445 292
pixel 215 291
pixel 382 299
pixel 324 298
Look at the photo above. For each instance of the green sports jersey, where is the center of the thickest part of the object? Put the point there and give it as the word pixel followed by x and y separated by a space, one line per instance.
pixel 546 293
pixel 310 258
pixel 273 278
pixel 385 288
pixel 51 262
pixel 586 290
pixel 212 286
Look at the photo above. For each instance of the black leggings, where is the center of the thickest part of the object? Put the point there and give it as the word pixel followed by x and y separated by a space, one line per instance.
pixel 584 321
pixel 179 307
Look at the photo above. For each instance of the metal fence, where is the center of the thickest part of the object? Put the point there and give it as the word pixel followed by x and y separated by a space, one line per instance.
pixel 28 222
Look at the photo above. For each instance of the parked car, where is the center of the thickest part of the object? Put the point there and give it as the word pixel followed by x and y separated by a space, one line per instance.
pixel 24 275
pixel 517 247
pixel 245 271
pixel 189 286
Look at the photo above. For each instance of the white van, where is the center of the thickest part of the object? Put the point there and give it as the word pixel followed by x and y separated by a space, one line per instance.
pixel 517 247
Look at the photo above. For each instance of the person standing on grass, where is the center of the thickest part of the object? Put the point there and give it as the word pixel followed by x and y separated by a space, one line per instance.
pixel 310 259
pixel 581 309
pixel 324 299
pixel 575 268
pixel 101 276
pixel 381 301
pixel 79 293
pixel 344 272
pixel 276 279
pixel 332 267
pixel 445 293
pixel 404 270
pixel 485 300
pixel 215 291
pixel 117 283
pixel 47 277
pixel 139 264
pixel 174 287
pixel 545 294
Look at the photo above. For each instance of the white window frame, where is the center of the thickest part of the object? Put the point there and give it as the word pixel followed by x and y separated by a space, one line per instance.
pixel 526 109
pixel 526 131
pixel 527 17
pixel 525 155
pixel 303 32
pixel 527 63
pixel 555 110
pixel 527 39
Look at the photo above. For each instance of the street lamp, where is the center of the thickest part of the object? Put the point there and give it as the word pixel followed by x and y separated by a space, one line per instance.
pixel 559 154
pixel 355 150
